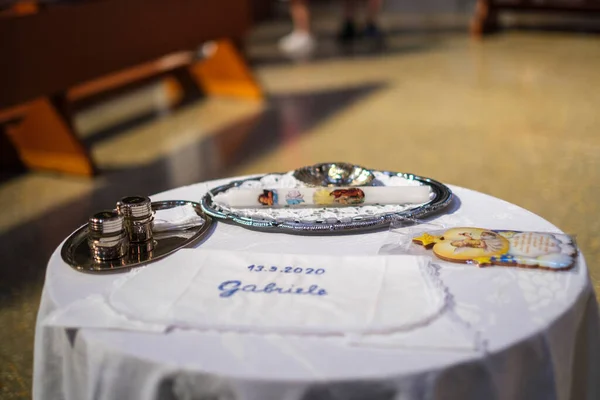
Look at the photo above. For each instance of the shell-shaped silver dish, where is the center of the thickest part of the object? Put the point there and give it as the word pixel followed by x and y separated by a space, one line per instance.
pixel 76 251
pixel 334 174
pixel 440 197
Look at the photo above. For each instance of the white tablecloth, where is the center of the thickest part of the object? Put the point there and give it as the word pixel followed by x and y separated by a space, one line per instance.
pixel 540 329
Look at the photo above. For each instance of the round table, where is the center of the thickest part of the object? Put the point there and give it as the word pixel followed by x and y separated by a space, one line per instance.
pixel 540 331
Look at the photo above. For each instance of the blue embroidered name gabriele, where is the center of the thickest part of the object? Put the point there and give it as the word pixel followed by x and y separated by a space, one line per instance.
pixel 229 288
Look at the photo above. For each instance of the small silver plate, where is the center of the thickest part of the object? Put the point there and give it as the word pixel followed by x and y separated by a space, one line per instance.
pixel 334 174
pixel 328 221
pixel 76 251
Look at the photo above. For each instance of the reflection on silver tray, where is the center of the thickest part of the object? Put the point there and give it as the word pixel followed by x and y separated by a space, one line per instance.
pixel 76 251
pixel 334 174
pixel 330 220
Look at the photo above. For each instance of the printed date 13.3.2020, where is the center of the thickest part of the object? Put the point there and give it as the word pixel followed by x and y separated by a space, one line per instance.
pixel 286 270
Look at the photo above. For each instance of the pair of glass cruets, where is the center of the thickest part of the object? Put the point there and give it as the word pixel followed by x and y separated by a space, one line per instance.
pixel 127 229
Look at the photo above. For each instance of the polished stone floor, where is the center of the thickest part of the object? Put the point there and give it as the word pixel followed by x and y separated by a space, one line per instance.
pixel 515 116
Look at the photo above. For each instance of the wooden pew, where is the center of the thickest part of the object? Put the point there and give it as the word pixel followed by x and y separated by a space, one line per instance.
pixel 58 55
pixel 485 18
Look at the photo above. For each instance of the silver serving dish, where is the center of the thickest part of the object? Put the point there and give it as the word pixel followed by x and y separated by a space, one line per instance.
pixel 76 251
pixel 440 197
pixel 334 174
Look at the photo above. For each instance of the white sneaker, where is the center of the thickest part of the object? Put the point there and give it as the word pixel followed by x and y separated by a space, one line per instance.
pixel 297 44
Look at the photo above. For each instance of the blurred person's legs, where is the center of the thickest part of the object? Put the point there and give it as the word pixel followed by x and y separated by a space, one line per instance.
pixel 300 42
pixel 349 31
pixel 371 27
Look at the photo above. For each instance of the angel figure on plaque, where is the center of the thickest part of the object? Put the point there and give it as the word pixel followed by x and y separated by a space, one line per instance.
pixel 489 242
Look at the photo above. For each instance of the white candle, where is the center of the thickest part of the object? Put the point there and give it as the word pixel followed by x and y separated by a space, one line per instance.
pixel 323 197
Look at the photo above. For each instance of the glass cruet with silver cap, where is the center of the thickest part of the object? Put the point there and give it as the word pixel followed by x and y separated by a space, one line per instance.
pixel 139 220
pixel 107 237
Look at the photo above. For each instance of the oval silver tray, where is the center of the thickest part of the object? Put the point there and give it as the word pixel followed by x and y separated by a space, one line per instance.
pixel 441 196
pixel 76 251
